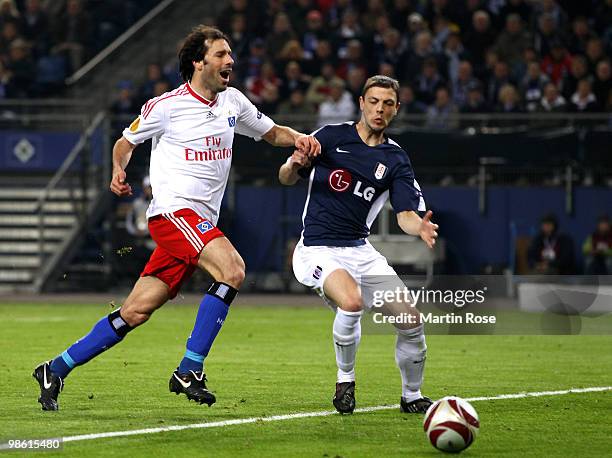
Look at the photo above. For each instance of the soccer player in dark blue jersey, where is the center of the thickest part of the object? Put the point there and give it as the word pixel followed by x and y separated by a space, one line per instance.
pixel 358 170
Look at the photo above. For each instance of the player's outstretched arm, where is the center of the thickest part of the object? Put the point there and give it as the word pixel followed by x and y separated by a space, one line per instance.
pixel 411 223
pixel 122 152
pixel 288 172
pixel 286 136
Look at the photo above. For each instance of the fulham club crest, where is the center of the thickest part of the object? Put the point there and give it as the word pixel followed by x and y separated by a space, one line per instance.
pixel 380 172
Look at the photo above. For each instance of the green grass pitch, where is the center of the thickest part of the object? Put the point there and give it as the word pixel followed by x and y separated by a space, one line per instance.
pixel 278 360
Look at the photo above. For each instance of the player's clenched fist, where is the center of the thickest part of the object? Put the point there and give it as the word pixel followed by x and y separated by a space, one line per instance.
pixel 119 186
pixel 300 158
pixel 309 145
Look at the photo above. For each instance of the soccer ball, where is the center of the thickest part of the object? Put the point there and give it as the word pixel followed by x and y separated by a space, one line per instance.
pixel 451 424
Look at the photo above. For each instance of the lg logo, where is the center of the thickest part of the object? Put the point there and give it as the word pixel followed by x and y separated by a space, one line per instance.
pixel 340 181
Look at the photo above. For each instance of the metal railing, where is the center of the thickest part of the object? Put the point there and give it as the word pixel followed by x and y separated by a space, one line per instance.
pixel 119 41
pixel 79 151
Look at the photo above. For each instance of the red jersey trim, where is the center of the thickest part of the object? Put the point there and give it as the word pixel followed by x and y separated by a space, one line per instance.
pixel 151 103
pixel 210 103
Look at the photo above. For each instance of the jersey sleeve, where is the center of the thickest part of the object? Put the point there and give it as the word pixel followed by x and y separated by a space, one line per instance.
pixel 405 193
pixel 251 122
pixel 150 123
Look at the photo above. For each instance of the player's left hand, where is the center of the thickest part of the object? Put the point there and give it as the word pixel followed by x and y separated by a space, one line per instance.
pixel 308 145
pixel 428 230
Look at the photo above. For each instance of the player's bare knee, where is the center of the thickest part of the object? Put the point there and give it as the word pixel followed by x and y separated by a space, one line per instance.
pixel 352 304
pixel 235 278
pixel 133 316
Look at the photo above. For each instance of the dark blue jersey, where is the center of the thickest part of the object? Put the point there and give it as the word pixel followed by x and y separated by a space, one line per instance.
pixel 350 183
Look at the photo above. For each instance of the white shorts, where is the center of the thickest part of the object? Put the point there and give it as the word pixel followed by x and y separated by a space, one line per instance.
pixel 369 268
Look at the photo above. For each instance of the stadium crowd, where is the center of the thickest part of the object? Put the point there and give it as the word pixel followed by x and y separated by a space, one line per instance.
pixel 43 41
pixel 311 57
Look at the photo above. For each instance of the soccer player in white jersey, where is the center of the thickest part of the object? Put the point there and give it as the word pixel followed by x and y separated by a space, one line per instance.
pixel 349 183
pixel 192 129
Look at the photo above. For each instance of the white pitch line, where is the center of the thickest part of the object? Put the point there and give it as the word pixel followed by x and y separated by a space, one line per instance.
pixel 291 416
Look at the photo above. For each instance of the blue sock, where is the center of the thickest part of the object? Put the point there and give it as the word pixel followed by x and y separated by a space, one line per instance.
pixel 211 315
pixel 106 333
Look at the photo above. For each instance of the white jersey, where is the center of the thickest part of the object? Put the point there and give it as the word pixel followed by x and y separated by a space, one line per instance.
pixel 192 152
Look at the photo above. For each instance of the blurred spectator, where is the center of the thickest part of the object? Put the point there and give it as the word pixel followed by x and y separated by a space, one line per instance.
pixel 603 16
pixel 353 58
pixel 519 71
pixel 250 67
pixel 594 53
pixel 281 33
pixel 291 52
pixel 8 11
pixel 153 75
pixel 519 7
pixel 386 69
pixel 400 10
pixel 125 102
pixel 337 107
pixel 315 31
pixel 597 249
pixel 508 102
pixel 422 50
pixel 409 106
pixel 602 83
pixel 294 79
pixel 475 102
pixel 4 79
pixel 461 84
pixel 408 102
pixel 242 7
pixel 513 40
pixel 454 53
pixel 552 8
pixel 35 27
pixel 256 85
pixel 349 29
pixel 392 51
pixel 355 81
pixel 479 38
pixel 583 100
pixel 500 78
pixel 579 36
pixel 551 102
pixel 20 69
pixel 270 99
pixel 428 81
pixel 320 86
pixel 578 70
pixel 323 53
pixel 161 88
pixel 414 25
pixel 532 86
pixel 558 63
pixel 442 114
pixel 73 34
pixel 297 10
pixel 239 35
pixel 301 110
pixel 8 34
pixel 551 252
pixel 373 10
pixel 545 35
pixel 437 8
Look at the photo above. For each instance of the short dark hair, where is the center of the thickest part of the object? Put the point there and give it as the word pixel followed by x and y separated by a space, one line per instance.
pixel 195 48
pixel 381 81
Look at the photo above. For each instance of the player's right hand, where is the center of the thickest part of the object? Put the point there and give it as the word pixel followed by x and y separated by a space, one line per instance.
pixel 118 184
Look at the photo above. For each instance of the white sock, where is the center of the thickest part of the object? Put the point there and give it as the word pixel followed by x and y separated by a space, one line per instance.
pixel 347 334
pixel 410 351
